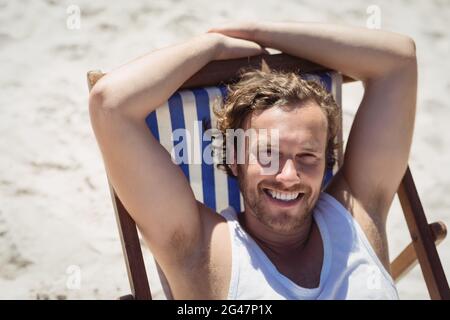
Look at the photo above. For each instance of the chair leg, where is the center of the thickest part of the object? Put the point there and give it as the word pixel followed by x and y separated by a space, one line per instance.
pixel 423 243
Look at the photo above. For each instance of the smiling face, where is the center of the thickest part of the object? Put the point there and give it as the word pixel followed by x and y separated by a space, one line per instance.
pixel 284 199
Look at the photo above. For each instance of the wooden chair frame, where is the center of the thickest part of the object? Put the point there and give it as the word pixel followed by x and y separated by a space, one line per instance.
pixel 424 236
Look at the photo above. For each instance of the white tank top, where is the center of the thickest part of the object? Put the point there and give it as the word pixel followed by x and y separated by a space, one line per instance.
pixel 350 269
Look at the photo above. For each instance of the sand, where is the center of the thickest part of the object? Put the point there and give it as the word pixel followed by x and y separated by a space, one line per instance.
pixel 58 236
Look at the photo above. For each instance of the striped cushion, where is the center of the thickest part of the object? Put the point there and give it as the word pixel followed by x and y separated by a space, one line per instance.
pixel 210 185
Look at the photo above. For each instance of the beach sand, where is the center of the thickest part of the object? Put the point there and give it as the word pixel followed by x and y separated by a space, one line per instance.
pixel 58 236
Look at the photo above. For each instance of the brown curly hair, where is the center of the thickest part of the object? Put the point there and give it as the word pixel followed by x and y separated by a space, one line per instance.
pixel 258 90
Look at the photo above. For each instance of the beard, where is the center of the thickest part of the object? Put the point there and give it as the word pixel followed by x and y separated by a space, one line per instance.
pixel 284 220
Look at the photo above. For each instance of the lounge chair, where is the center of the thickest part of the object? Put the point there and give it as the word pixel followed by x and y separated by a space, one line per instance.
pixel 193 102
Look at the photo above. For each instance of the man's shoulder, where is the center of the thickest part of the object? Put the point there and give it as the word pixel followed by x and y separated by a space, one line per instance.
pixel 208 268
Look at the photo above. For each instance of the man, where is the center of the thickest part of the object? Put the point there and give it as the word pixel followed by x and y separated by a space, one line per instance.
pixel 292 241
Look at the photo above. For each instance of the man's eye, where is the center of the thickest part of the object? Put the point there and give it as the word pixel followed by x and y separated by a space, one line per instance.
pixel 307 158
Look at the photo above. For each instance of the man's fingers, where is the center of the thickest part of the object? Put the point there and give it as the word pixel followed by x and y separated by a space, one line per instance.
pixel 228 32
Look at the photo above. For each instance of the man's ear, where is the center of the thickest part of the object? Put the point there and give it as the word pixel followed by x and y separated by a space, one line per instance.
pixel 233 166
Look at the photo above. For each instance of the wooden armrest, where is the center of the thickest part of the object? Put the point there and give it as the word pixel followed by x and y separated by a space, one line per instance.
pixel 216 71
pixel 407 259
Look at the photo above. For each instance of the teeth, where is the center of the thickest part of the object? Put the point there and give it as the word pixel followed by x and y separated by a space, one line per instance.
pixel 285 196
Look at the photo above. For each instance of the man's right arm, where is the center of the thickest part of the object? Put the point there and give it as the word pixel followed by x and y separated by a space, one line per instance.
pixel 152 188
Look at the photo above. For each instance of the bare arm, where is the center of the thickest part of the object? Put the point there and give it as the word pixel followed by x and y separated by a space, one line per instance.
pixel 151 186
pixel 380 139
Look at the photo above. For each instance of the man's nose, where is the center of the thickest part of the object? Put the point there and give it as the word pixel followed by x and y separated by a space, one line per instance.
pixel 288 175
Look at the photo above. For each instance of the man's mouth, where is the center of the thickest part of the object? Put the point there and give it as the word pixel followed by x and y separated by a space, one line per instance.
pixel 283 198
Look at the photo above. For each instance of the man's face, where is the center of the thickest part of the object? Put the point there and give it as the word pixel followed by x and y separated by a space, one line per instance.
pixel 283 199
